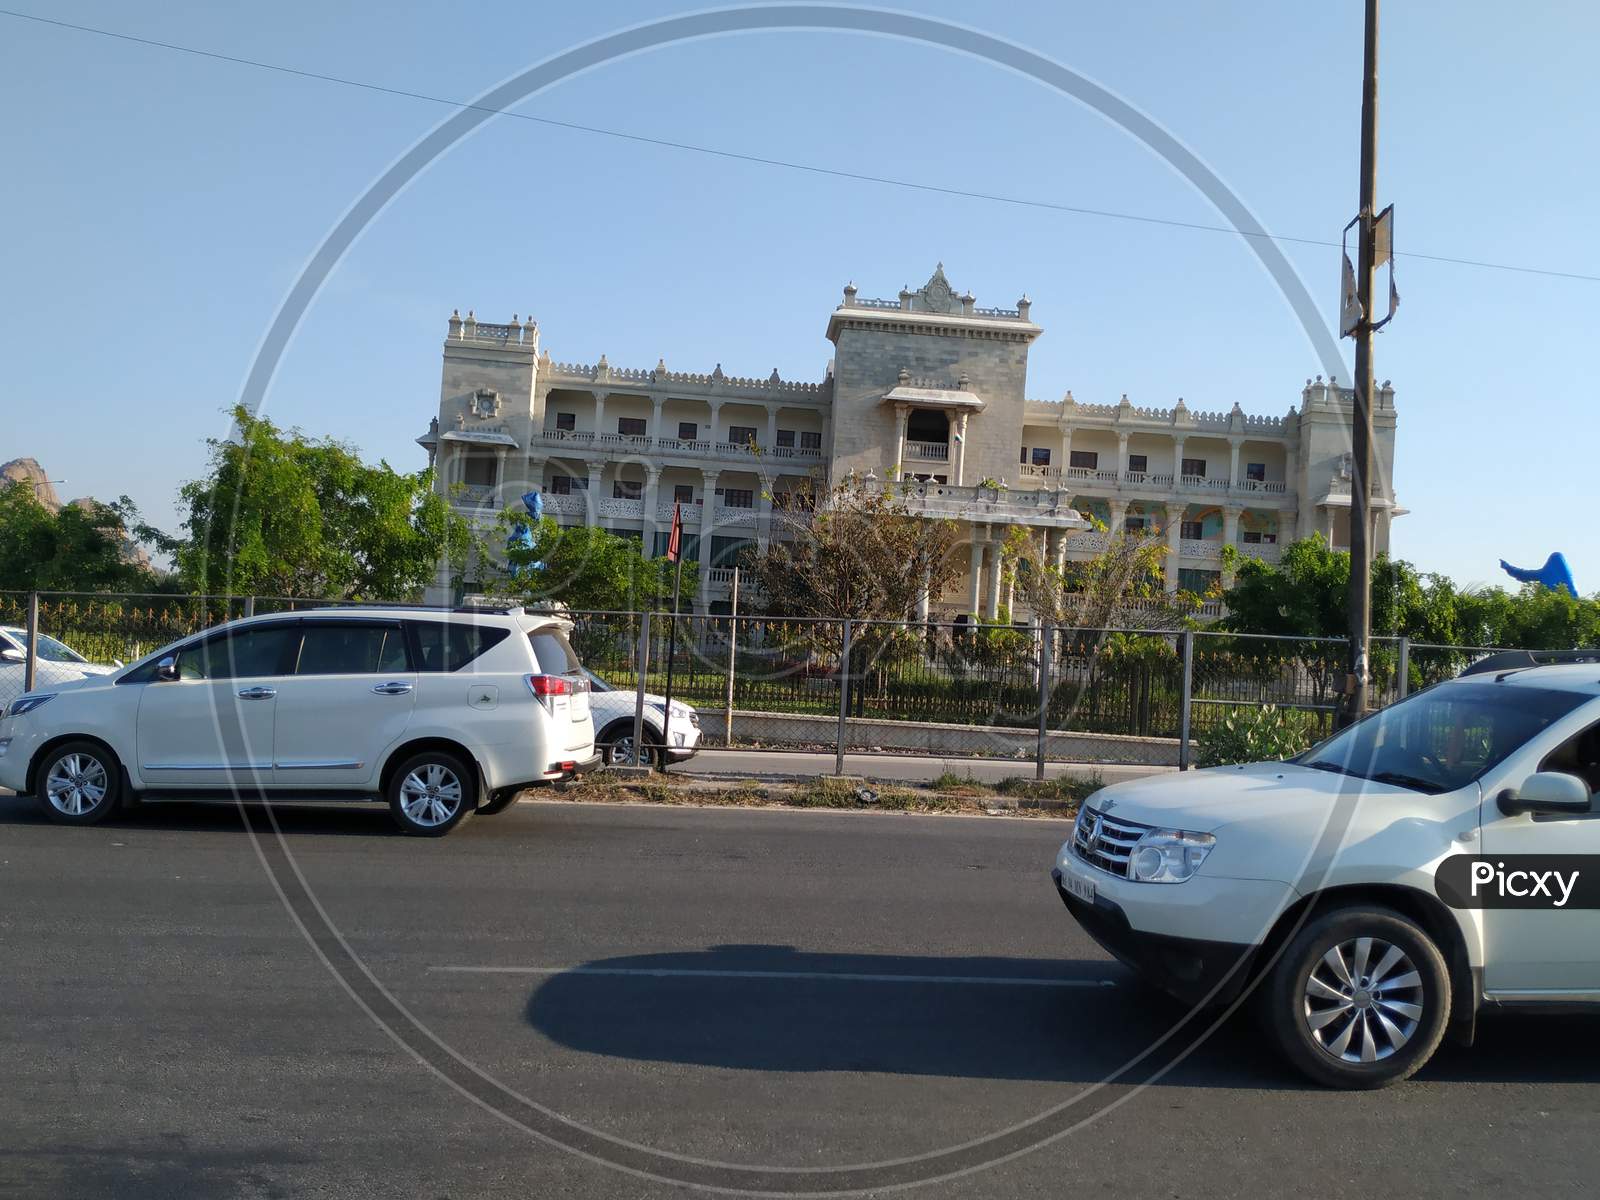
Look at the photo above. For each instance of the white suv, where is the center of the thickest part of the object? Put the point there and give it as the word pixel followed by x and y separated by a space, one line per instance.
pixel 441 713
pixel 1437 858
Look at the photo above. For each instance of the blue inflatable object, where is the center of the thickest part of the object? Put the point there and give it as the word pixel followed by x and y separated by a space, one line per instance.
pixel 522 534
pixel 1555 574
pixel 534 503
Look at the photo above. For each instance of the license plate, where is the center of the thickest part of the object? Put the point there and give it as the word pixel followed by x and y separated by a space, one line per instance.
pixel 1078 885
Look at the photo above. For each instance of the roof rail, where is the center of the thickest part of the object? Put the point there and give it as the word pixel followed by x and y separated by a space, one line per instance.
pixel 488 606
pixel 1521 660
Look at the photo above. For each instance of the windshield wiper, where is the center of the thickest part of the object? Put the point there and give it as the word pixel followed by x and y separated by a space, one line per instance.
pixel 1323 764
pixel 1414 782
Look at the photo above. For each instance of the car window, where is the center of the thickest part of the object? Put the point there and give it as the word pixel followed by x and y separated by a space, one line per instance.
pixel 1444 738
pixel 50 650
pixel 350 648
pixel 244 654
pixel 552 652
pixel 1579 755
pixel 449 647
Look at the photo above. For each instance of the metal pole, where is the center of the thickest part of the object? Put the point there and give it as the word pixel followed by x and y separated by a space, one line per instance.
pixel 844 698
pixel 1403 684
pixel 30 666
pixel 1186 648
pixel 672 653
pixel 733 658
pixel 638 709
pixel 1360 601
pixel 249 606
pixel 1045 656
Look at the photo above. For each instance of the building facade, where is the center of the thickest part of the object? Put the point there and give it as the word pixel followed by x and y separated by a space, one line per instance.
pixel 926 388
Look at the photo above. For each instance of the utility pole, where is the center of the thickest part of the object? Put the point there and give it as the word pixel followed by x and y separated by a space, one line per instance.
pixel 1360 603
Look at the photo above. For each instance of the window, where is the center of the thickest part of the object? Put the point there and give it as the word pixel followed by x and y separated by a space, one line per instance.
pixel 689 547
pixel 480 471
pixel 737 497
pixel 1022 456
pixel 1087 459
pixel 1250 538
pixel 1256 471
pixel 1041 456
pixel 449 647
pixel 50 650
pixel 263 650
pixel 1579 755
pixel 552 652
pixel 1136 524
pixel 1192 531
pixel 627 489
pixel 566 420
pixel 1195 467
pixel 810 441
pixel 688 431
pixel 631 426
pixel 786 437
pixel 1444 738
pixel 741 435
pixel 1138 464
pixel 725 551
pixel 683 493
pixel 566 485
pixel 1191 579
pixel 349 648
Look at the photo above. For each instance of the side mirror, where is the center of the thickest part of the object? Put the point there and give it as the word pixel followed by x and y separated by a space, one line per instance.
pixel 1547 792
pixel 12 654
pixel 167 668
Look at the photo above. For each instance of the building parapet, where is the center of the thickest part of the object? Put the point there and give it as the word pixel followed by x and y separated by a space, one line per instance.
pixel 1068 413
pixel 603 372
pixel 997 505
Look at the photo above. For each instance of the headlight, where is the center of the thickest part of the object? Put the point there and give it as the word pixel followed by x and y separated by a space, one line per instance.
pixel 26 704
pixel 1168 855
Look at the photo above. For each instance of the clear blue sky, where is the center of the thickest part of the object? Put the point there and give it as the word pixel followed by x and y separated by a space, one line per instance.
pixel 157 207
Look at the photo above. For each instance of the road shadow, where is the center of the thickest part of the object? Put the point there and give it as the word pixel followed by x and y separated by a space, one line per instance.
pixel 795 1021
pixel 328 818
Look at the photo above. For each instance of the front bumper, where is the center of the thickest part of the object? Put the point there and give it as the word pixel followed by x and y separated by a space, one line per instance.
pixel 1195 970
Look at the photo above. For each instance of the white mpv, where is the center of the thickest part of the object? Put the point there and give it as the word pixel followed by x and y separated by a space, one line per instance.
pixel 1381 889
pixel 440 713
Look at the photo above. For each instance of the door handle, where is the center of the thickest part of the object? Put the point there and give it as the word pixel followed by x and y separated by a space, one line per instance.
pixel 393 688
pixel 257 693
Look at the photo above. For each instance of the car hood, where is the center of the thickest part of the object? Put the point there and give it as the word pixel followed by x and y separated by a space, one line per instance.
pixel 1204 801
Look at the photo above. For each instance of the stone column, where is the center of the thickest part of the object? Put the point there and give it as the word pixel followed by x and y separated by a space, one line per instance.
pixel 1060 558
pixel 975 574
pixel 1066 451
pixel 600 412
pixel 763 513
pixel 1287 523
pixel 961 451
pixel 716 417
pixel 499 475
pixel 656 431
pixel 1230 537
pixel 1122 455
pixel 924 598
pixel 1052 544
pixel 596 471
pixel 1234 445
pixel 1177 459
pixel 991 603
pixel 772 427
pixel 1119 514
pixel 652 491
pixel 1174 532
pixel 708 520
pixel 901 412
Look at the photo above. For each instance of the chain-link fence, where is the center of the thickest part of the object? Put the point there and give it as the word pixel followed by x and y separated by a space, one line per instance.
pixel 951 690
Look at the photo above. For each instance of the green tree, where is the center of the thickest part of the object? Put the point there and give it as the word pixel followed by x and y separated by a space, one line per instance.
pixel 82 547
pixel 279 513
pixel 585 568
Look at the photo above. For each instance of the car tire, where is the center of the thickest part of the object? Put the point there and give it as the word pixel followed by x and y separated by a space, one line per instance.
pixel 79 783
pixel 431 793
pixel 616 742
pixel 498 804
pixel 1359 999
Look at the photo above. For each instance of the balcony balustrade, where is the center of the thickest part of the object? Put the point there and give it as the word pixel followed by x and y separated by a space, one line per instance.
pixel 580 440
pixel 927 452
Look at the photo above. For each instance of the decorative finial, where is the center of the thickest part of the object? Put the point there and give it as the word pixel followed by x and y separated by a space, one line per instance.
pixel 904 377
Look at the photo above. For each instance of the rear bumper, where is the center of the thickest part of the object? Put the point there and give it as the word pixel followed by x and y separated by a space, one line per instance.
pixel 1194 970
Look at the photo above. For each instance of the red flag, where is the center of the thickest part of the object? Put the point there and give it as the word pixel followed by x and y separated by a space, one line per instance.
pixel 675 538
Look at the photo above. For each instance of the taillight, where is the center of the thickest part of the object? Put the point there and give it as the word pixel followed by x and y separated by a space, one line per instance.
pixel 549 685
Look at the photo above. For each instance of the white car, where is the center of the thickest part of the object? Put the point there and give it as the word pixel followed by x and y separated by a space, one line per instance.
pixel 57 662
pixel 1380 889
pixel 614 709
pixel 439 713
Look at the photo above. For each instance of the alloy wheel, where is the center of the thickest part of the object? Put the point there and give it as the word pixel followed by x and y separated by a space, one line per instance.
pixel 1363 1000
pixel 431 794
pixel 76 784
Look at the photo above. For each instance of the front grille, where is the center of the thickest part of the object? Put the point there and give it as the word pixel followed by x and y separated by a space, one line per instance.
pixel 1105 842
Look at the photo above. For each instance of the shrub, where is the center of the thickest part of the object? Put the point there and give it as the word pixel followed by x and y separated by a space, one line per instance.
pixel 1255 734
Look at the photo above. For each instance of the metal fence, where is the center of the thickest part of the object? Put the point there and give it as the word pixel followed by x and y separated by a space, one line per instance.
pixel 952 690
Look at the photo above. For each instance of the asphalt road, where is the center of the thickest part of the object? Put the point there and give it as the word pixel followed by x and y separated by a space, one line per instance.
pixel 187 1009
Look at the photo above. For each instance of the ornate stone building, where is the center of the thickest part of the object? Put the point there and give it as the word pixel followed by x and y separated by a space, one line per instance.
pixel 928 387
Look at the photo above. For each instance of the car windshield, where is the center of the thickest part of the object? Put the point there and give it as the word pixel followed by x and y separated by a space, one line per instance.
pixel 1444 738
pixel 50 650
